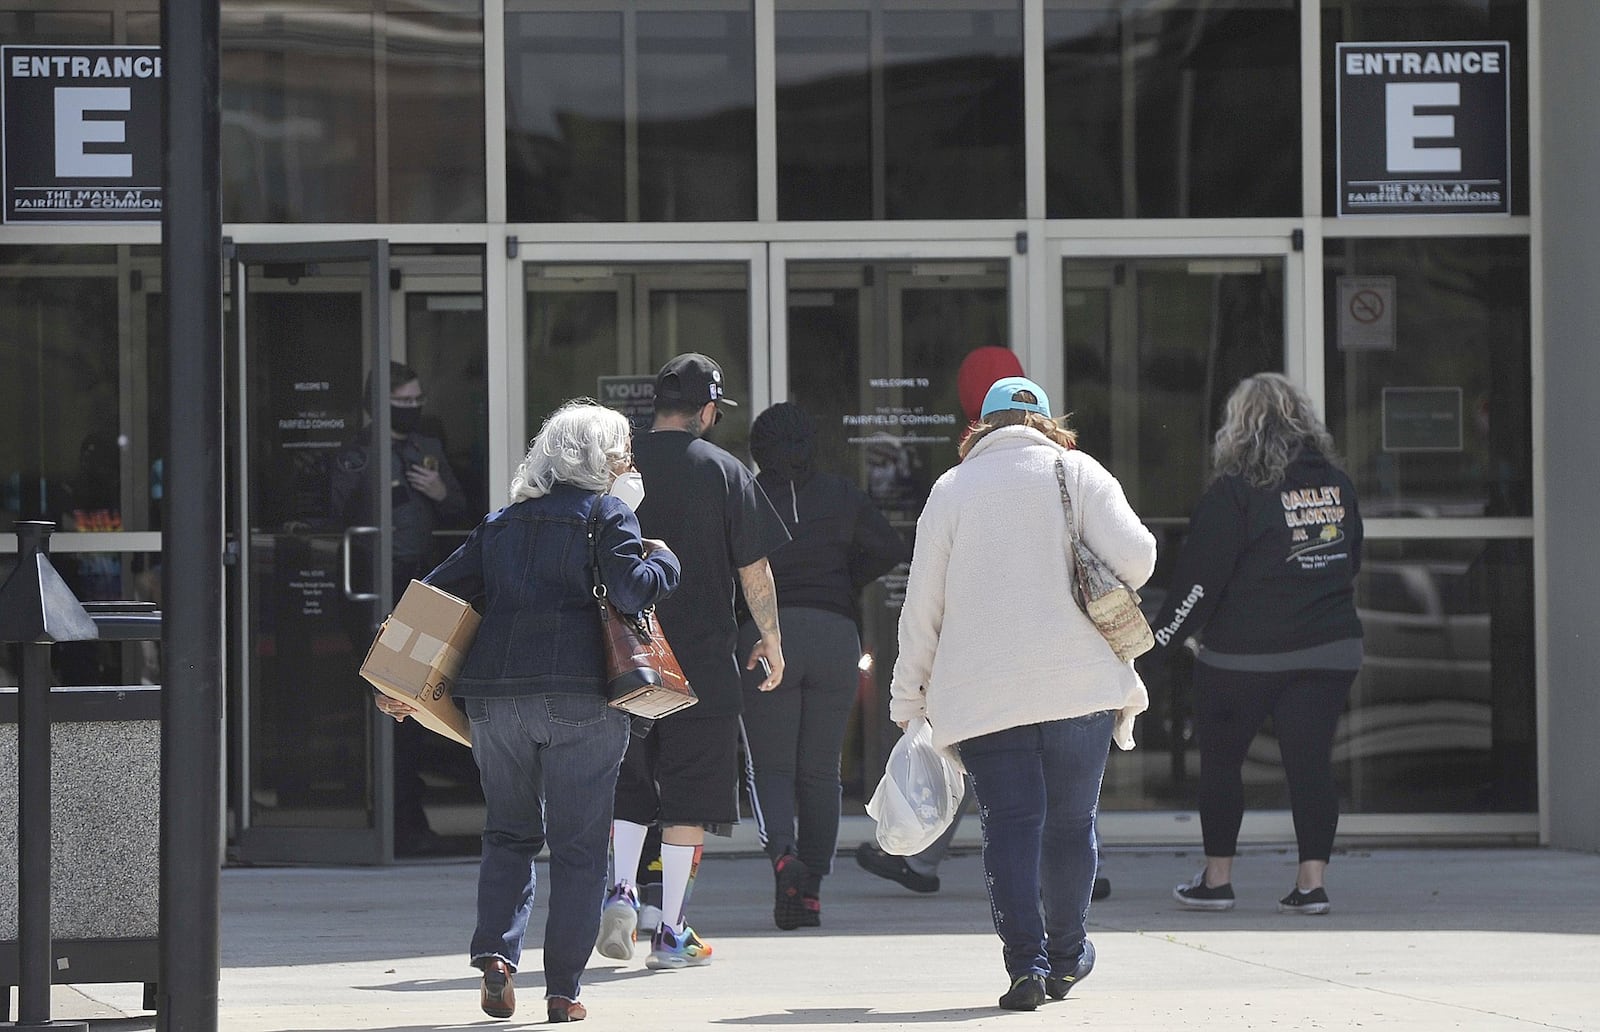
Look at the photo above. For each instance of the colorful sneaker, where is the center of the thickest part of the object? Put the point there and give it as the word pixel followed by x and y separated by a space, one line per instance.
pixel 788 908
pixel 619 923
pixel 1314 901
pixel 1058 986
pixel 1197 895
pixel 670 950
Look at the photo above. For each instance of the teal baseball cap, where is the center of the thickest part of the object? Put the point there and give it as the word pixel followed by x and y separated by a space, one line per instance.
pixel 1015 392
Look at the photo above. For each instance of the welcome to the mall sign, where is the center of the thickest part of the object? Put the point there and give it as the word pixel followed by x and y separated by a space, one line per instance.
pixel 81 132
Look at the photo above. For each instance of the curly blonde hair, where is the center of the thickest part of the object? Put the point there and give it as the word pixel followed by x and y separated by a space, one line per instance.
pixel 1266 423
pixel 1055 429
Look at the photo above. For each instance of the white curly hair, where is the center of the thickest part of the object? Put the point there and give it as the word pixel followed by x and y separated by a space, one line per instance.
pixel 581 443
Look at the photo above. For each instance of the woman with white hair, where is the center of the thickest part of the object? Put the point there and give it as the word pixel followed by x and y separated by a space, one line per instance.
pixel 547 745
pixel 1268 571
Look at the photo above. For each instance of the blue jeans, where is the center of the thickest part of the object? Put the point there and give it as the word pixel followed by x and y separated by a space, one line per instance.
pixel 1038 787
pixel 548 764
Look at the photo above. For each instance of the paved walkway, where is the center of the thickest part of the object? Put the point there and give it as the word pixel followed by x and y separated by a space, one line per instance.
pixel 1419 940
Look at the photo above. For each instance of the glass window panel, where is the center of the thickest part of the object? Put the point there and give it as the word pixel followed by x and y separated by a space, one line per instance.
pixel 697 121
pixel 60 28
pixel 953 113
pixel 1187 109
pixel 1441 717
pixel 302 115
pixel 433 51
pixel 824 105
pixel 1395 21
pixel 630 114
pixel 1460 363
pixel 298 137
pixel 565 135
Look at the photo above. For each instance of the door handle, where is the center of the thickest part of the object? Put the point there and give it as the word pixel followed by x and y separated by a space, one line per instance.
pixel 349 590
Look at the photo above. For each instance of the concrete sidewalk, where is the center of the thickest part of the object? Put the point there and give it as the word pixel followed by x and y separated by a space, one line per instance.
pixel 1419 940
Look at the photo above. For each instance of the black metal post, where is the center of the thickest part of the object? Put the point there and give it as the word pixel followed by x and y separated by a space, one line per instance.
pixel 191 696
pixel 33 803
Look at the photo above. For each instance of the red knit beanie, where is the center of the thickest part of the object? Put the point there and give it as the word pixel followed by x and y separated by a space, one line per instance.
pixel 978 372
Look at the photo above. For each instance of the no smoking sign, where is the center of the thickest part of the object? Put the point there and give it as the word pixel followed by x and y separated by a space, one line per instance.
pixel 1366 313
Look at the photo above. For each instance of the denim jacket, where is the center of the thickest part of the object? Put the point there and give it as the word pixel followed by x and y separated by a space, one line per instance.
pixel 526 569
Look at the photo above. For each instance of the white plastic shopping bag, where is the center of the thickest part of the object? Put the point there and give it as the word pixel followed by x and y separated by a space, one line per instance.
pixel 919 794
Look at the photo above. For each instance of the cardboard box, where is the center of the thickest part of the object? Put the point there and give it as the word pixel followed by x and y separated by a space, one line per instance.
pixel 418 653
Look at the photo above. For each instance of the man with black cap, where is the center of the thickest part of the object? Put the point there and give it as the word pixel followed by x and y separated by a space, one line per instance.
pixel 707 506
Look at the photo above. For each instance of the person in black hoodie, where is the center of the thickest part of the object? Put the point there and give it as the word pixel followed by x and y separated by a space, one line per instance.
pixel 839 544
pixel 1268 571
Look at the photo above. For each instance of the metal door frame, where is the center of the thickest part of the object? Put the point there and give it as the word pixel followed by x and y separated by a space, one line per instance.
pixel 371 845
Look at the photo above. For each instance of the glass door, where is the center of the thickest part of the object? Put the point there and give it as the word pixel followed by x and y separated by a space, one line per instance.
pixel 1151 345
pixel 600 322
pixel 871 345
pixel 309 520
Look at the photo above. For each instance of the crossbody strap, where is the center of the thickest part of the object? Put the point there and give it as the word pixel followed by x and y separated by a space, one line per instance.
pixel 1066 499
pixel 599 587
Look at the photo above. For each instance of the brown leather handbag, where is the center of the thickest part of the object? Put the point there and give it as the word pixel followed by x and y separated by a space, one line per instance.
pixel 643 677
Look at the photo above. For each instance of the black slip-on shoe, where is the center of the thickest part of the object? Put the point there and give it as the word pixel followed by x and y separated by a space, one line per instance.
pixel 1025 994
pixel 1057 986
pixel 894 868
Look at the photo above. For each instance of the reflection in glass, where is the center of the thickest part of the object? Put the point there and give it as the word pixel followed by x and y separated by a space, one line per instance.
pixel 873 352
pixel 1152 348
pixel 1386 21
pixel 58 28
pixel 1162 109
pixel 1461 331
pixel 934 130
pixel 310 135
pixel 629 112
pixel 604 330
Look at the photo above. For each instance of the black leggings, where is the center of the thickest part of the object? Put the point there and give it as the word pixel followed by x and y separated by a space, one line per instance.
pixel 1230 708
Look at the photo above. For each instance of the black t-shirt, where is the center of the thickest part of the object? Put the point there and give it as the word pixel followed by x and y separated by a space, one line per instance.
pixel 706 505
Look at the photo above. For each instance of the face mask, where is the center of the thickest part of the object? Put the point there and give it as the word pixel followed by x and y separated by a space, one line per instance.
pixel 629 487
pixel 403 420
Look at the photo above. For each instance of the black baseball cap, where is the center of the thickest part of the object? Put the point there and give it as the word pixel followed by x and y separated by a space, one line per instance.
pixel 691 379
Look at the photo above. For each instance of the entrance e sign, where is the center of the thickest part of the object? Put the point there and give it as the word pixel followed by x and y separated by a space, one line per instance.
pixel 81 132
pixel 1424 128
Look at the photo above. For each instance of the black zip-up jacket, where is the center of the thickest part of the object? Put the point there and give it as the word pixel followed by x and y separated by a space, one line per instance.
pixel 1267 570
pixel 839 542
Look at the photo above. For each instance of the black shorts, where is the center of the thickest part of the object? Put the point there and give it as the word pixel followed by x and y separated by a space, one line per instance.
pixel 685 771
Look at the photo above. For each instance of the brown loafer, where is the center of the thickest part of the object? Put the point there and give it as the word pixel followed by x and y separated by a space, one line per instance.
pixel 499 998
pixel 562 1009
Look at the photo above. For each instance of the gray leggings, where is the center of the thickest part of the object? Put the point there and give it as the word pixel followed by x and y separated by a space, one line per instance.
pixel 794 734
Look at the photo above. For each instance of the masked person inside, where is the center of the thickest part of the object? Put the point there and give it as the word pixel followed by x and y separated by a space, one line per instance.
pixel 534 686
pixel 424 496
pixel 1267 573
pixel 839 544
pixel 998 657
pixel 684 773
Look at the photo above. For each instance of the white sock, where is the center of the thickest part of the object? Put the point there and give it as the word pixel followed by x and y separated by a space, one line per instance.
pixel 627 846
pixel 677 866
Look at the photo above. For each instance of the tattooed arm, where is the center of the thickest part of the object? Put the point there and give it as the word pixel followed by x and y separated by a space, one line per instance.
pixel 761 598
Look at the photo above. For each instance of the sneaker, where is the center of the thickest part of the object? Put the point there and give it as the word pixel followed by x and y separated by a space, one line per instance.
pixel 619 923
pixel 1025 994
pixel 894 868
pixel 670 950
pixel 1298 902
pixel 1102 889
pixel 1197 895
pixel 1057 986
pixel 788 908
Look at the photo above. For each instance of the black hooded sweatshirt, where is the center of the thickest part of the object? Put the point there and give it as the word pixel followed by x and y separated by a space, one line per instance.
pixel 1267 570
pixel 839 542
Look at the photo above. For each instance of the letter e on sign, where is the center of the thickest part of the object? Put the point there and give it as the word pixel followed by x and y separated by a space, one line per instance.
pixel 1406 127
pixel 74 131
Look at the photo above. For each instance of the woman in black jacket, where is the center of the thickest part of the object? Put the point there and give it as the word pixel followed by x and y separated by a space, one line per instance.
pixel 1268 571
pixel 839 544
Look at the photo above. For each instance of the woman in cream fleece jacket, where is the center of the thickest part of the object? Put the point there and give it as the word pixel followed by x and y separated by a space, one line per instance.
pixel 1007 668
